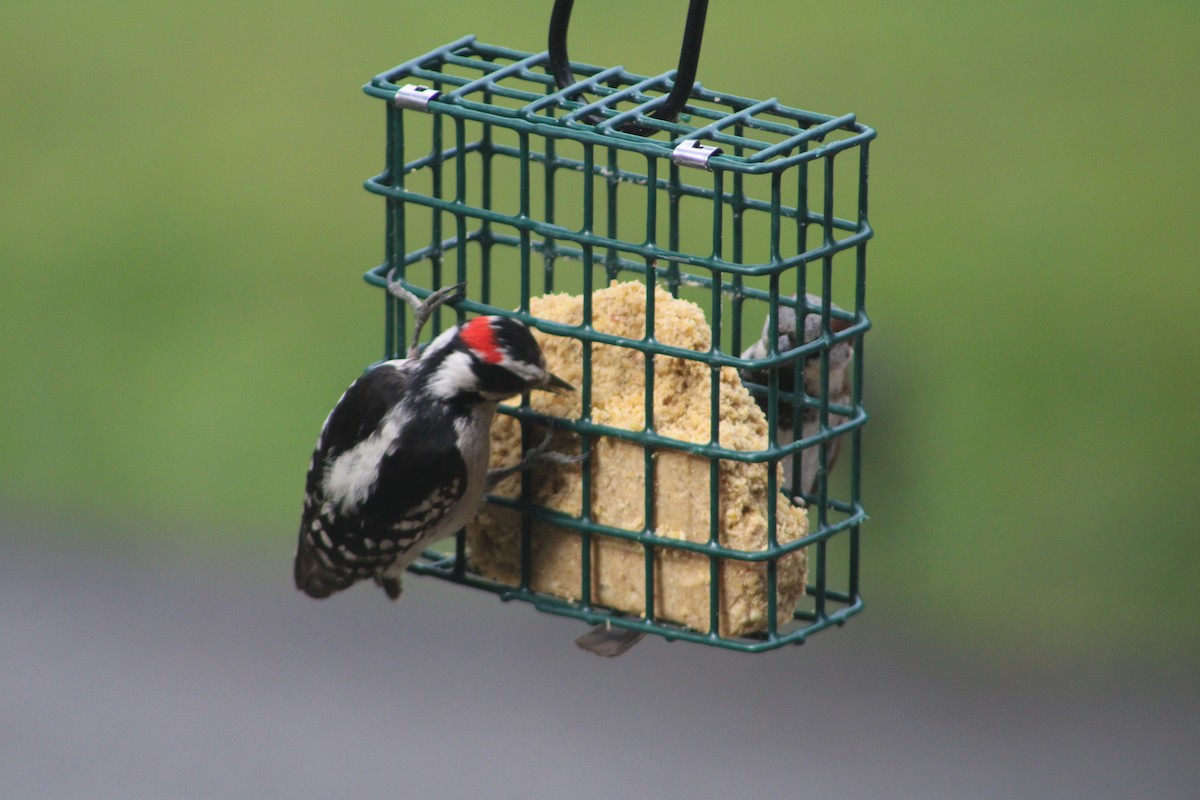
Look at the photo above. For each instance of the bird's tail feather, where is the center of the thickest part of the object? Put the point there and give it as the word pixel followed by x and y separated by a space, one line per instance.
pixel 313 577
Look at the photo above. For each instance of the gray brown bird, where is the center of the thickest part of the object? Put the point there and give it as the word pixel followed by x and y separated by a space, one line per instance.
pixel 841 356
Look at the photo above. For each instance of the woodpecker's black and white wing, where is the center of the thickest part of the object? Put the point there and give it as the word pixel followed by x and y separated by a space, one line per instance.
pixel 381 482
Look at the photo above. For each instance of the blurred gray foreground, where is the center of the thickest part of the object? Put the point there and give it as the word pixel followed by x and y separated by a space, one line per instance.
pixel 147 674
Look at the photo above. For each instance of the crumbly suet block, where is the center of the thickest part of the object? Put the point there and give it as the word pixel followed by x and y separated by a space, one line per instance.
pixel 682 481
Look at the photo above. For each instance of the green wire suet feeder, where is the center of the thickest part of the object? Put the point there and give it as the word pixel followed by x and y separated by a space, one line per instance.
pixel 523 174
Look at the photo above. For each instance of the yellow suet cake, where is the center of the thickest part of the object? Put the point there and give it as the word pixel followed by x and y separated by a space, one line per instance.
pixel 682 394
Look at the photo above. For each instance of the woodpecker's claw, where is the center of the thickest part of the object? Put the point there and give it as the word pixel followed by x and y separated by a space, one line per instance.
pixel 423 309
pixel 543 453
pixel 533 457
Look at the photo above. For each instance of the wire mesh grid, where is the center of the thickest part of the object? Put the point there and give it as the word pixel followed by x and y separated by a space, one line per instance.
pixel 494 177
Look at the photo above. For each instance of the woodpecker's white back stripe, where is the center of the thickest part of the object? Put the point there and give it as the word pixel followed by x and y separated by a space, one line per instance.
pixel 348 480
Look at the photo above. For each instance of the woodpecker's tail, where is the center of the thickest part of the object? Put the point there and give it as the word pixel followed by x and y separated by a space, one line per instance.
pixel 314 575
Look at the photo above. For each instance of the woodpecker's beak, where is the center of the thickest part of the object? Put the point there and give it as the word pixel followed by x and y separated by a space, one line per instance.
pixel 556 384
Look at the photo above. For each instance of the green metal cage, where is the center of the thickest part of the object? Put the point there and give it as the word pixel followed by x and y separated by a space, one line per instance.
pixel 497 177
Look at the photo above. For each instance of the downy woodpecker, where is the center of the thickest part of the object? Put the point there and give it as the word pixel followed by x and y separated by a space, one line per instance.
pixel 402 460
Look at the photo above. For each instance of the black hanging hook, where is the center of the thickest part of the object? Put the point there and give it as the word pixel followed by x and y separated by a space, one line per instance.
pixel 685 75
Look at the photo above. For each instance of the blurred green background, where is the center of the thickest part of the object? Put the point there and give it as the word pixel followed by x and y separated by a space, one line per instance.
pixel 183 231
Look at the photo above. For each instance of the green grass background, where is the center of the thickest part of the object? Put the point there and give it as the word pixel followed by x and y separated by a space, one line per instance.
pixel 183 230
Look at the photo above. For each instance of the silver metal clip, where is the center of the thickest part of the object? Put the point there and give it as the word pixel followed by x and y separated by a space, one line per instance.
pixel 415 97
pixel 690 153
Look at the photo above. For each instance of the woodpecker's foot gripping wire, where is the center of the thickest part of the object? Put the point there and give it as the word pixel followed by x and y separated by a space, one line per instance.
pixel 533 457
pixel 423 309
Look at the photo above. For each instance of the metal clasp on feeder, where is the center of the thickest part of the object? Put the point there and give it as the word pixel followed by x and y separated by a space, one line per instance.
pixel 690 153
pixel 415 96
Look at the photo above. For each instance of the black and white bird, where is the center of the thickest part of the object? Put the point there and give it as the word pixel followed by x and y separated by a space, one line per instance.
pixel 840 388
pixel 609 641
pixel 402 460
